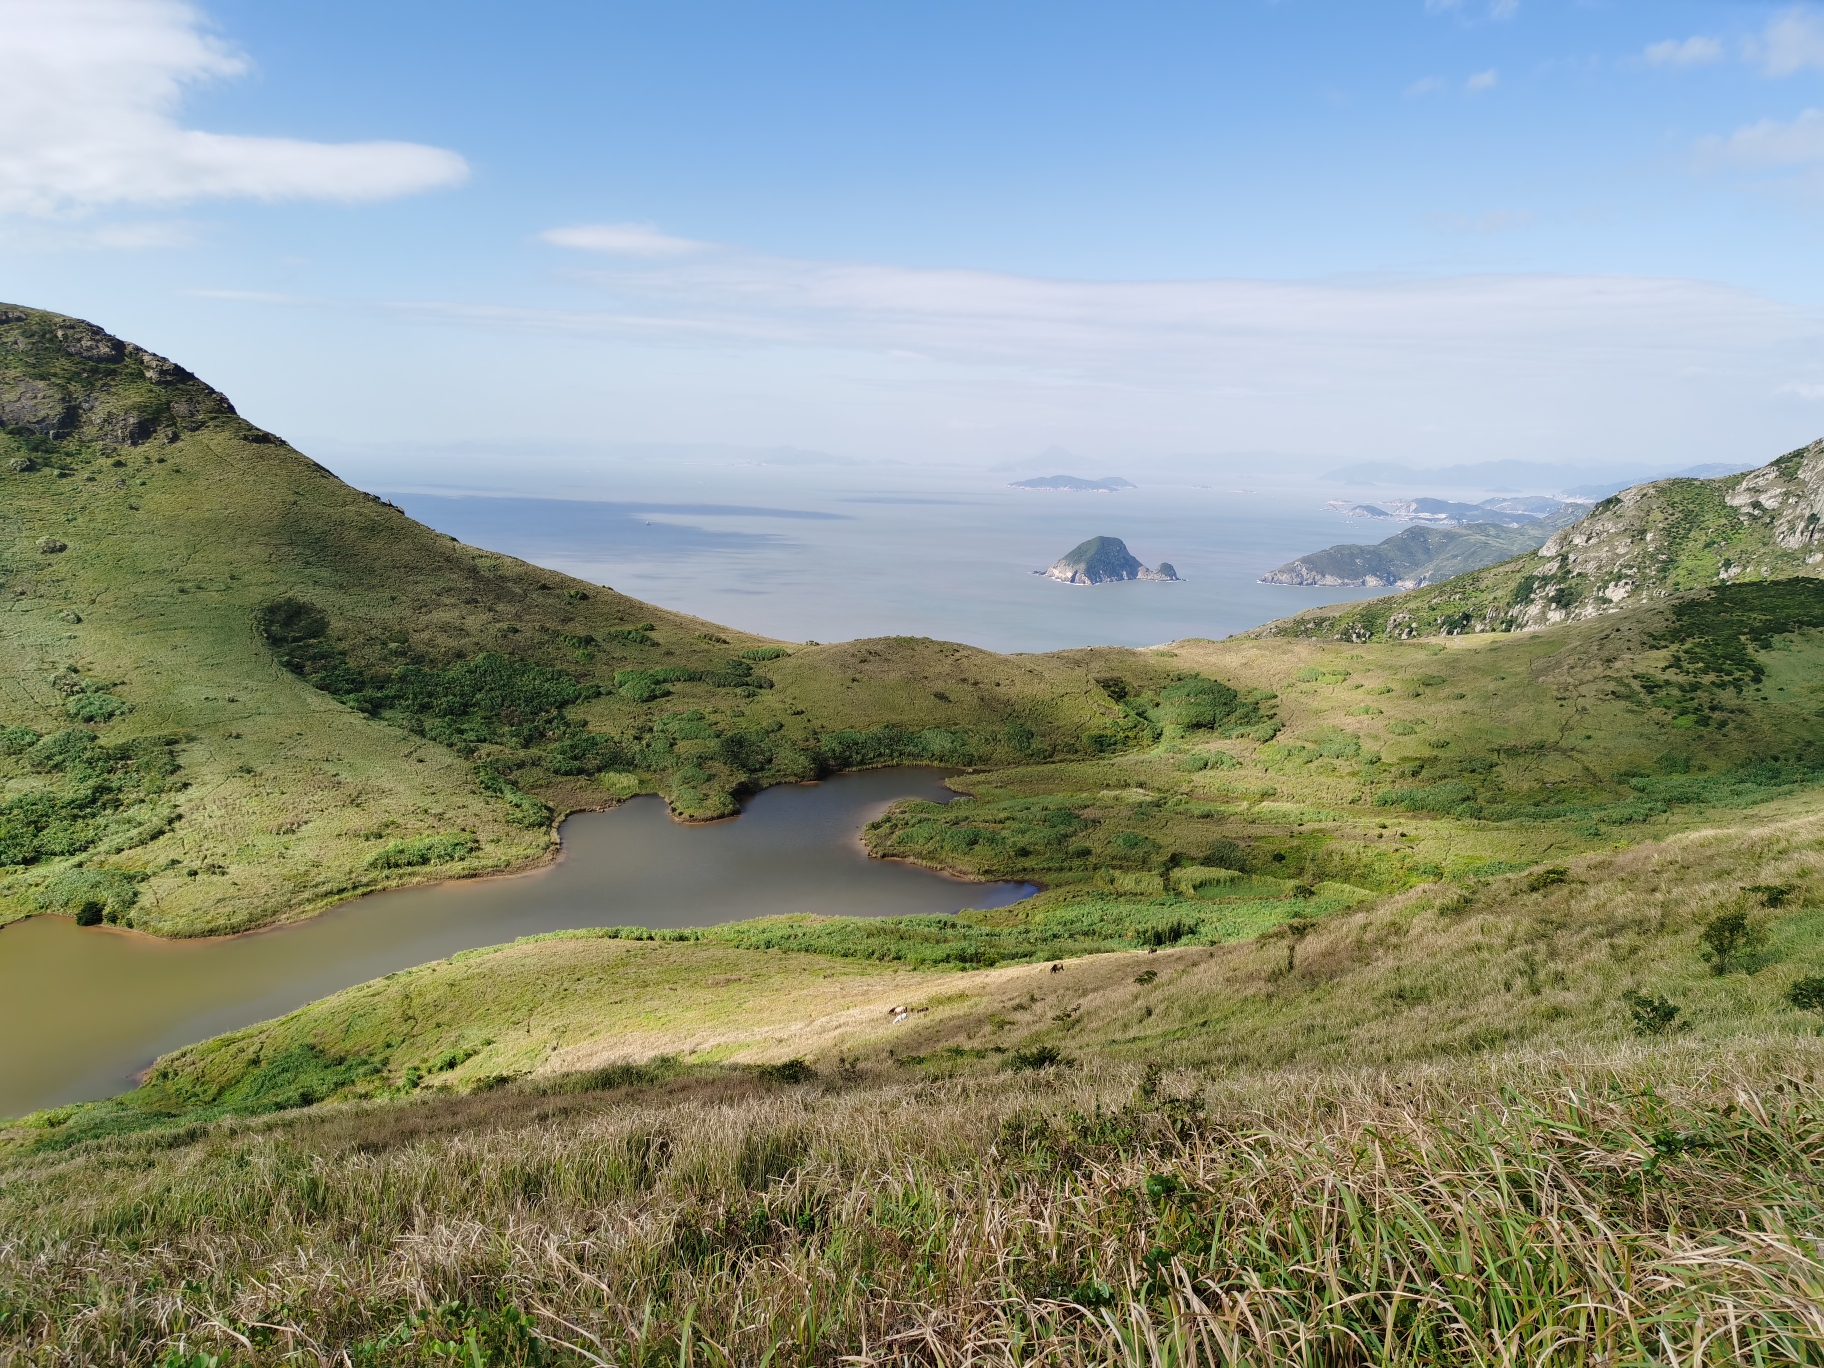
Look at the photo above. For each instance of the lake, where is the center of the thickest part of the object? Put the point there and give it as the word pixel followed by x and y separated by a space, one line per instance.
pixel 83 1010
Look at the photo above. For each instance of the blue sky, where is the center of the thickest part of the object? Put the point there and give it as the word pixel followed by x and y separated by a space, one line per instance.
pixel 946 233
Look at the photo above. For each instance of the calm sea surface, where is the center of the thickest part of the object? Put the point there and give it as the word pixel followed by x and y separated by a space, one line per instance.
pixel 844 555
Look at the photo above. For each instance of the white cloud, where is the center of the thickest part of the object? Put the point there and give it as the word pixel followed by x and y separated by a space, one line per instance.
pixel 1481 81
pixel 1690 52
pixel 1792 41
pixel 1503 9
pixel 1769 144
pixel 622 239
pixel 88 119
pixel 1425 85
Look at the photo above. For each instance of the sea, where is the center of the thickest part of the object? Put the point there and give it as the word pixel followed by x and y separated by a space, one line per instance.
pixel 836 554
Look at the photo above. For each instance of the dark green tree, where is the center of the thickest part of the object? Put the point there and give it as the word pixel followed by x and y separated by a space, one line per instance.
pixel 1728 937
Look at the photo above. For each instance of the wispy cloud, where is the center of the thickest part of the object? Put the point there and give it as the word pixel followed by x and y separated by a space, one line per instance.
pixel 623 239
pixel 88 119
pixel 1497 10
pixel 1483 224
pixel 1481 81
pixel 1686 52
pixel 889 360
pixel 1140 331
pixel 1426 85
pixel 1793 41
pixel 1769 144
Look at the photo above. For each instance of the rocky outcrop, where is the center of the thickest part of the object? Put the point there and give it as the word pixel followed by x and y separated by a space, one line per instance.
pixel 1105 560
pixel 1673 535
pixel 66 378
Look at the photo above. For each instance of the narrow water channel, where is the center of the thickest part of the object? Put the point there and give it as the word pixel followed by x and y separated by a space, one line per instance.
pixel 84 1009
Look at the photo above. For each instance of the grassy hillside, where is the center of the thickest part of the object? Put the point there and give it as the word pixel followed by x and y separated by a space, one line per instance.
pixel 238 690
pixel 1529 1118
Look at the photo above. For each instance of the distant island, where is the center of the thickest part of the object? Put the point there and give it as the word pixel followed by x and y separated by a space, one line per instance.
pixel 1101 560
pixel 1107 485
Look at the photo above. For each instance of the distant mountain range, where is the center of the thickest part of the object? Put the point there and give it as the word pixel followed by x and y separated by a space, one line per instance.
pixel 1572 480
pixel 1108 484
pixel 1503 512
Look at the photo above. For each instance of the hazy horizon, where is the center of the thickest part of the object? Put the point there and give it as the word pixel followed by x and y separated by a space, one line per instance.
pixel 1230 239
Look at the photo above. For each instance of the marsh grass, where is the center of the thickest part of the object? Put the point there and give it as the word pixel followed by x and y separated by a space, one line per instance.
pixel 1631 1205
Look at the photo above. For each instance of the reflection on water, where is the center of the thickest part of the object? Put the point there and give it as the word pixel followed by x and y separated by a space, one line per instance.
pixel 82 1010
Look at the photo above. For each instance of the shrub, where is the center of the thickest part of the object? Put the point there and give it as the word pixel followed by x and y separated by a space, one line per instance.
pixel 1807 994
pixel 1036 1057
pixel 89 914
pixel 1166 933
pixel 285 621
pixel 1728 937
pixel 1773 895
pixel 790 1071
pixel 96 707
pixel 1195 702
pixel 1190 764
pixel 1545 878
pixel 17 740
pixel 764 653
pixel 1652 1015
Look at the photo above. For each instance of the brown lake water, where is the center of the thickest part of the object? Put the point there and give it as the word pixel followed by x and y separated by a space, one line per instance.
pixel 82 1010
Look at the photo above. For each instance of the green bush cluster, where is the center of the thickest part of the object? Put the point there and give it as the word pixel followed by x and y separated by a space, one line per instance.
pixel 98 784
pixel 492 698
pixel 437 848
pixel 647 686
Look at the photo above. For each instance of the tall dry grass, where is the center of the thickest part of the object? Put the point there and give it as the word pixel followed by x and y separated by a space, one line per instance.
pixel 1620 1207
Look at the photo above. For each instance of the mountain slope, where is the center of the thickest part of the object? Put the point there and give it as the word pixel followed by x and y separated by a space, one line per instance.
pixel 237 689
pixel 1647 542
pixel 1410 559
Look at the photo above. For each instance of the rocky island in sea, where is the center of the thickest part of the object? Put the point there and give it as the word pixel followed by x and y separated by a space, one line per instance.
pixel 1101 560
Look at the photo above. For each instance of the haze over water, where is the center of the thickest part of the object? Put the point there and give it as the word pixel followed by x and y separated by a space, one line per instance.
pixel 832 555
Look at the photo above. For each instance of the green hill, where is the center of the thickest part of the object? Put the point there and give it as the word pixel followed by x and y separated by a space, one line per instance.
pixel 242 690
pixel 1411 559
pixel 1421 982
pixel 1647 542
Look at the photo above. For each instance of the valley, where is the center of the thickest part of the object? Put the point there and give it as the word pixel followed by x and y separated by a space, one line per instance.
pixel 1430 979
